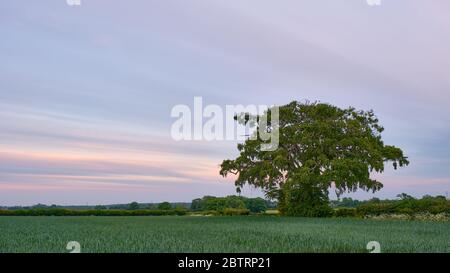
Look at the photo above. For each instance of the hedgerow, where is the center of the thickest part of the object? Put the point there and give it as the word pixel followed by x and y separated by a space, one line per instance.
pixel 68 212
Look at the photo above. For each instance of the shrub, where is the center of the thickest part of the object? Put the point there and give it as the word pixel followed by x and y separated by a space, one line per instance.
pixel 164 206
pixel 255 205
pixel 345 212
pixel 408 206
pixel 375 208
pixel 208 203
pixel 231 212
pixel 133 206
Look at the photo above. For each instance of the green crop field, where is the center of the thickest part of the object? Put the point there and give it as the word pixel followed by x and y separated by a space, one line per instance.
pixel 219 234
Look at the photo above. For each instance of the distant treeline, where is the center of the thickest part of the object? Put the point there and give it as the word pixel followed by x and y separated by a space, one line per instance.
pixel 207 203
pixel 73 212
pixel 212 203
pixel 239 205
pixel 130 206
pixel 405 205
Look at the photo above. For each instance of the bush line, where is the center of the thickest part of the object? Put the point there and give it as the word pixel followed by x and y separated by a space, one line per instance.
pixel 67 212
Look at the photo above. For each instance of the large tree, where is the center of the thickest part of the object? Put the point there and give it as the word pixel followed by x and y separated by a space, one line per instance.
pixel 320 146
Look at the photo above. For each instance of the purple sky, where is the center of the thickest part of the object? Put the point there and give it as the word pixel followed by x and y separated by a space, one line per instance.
pixel 86 92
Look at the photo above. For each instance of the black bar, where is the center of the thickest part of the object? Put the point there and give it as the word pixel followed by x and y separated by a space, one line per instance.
pixel 229 262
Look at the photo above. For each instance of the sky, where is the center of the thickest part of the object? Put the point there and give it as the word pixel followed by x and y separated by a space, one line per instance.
pixel 86 91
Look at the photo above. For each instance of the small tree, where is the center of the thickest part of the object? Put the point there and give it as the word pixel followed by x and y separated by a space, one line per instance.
pixel 133 206
pixel 255 205
pixel 197 204
pixel 235 202
pixel 164 206
pixel 320 145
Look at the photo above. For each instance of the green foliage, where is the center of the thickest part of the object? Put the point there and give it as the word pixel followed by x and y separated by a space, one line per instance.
pixel 427 204
pixel 164 206
pixel 221 203
pixel 255 205
pixel 271 204
pixel 345 212
pixel 319 144
pixel 302 199
pixel 231 212
pixel 133 206
pixel 411 208
pixel 197 204
pixel 109 212
pixel 212 203
pixel 234 202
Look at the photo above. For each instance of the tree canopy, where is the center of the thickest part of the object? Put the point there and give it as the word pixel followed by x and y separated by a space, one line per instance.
pixel 235 202
pixel 164 206
pixel 133 206
pixel 320 145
